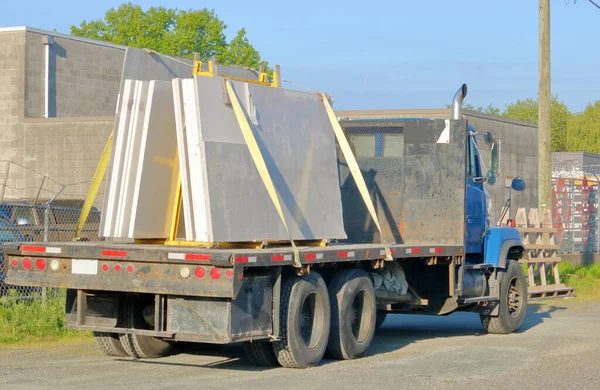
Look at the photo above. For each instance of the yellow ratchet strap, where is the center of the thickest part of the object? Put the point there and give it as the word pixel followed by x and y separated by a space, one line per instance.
pixel 259 161
pixel 94 187
pixel 355 170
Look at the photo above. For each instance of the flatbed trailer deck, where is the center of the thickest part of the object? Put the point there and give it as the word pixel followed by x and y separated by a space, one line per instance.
pixel 158 268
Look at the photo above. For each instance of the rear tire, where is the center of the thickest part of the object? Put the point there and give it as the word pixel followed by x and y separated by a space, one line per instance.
pixel 304 321
pixel 353 314
pixel 513 302
pixel 109 344
pixel 260 353
pixel 381 316
pixel 137 346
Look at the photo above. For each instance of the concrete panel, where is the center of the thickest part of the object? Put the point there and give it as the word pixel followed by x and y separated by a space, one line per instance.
pixel 158 167
pixel 119 140
pixel 131 160
pixel 297 143
pixel 187 210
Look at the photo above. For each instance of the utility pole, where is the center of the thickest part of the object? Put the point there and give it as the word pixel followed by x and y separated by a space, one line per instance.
pixel 544 154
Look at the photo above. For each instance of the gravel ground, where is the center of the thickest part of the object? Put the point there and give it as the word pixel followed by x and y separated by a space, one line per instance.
pixel 558 347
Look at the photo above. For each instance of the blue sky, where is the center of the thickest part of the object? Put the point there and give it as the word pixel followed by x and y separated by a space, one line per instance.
pixel 392 54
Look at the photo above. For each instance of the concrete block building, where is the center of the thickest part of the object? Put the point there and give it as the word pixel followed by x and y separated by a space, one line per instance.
pixel 58 95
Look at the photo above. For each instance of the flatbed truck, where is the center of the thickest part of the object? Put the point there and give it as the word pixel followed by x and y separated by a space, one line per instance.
pixel 140 299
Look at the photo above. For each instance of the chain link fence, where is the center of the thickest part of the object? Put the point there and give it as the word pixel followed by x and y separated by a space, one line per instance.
pixel 21 221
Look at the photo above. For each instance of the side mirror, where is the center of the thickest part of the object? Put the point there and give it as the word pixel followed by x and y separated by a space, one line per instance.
pixel 496 156
pixel 491 177
pixel 488 138
pixel 22 221
pixel 518 184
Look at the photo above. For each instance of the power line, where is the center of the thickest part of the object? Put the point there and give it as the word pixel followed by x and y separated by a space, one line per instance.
pixel 597 6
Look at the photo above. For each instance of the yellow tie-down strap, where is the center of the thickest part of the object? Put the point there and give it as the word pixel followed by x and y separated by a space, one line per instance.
pixel 259 161
pixel 355 170
pixel 94 187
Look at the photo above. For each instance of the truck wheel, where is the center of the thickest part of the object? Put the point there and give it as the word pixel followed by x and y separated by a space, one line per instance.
pixel 513 302
pixel 381 316
pixel 304 321
pixel 260 353
pixel 109 344
pixel 353 314
pixel 137 346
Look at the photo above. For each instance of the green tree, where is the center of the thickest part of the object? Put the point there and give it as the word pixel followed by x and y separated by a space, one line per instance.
pixel 173 32
pixel 527 110
pixel 583 130
pixel 490 109
pixel 240 52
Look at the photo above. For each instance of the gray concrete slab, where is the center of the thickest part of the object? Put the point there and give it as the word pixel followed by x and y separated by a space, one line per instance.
pixel 157 167
pixel 297 142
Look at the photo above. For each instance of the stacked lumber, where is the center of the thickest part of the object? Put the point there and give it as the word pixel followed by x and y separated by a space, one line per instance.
pixel 538 237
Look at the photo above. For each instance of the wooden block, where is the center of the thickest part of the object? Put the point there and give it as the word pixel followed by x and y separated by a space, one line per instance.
pixel 521 217
pixel 537 246
pixel 543 273
pixel 534 220
pixel 537 230
pixel 547 218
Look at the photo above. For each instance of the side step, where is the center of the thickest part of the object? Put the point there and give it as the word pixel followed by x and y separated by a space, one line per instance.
pixel 478 266
pixel 464 301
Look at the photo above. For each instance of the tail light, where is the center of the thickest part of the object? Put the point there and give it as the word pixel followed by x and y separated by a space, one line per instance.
pixel 40 264
pixel 215 273
pixel 27 264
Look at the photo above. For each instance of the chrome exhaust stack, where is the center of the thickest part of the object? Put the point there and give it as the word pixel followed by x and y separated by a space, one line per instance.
pixel 457 102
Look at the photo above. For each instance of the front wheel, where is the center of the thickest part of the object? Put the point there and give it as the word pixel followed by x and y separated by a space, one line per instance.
pixel 513 302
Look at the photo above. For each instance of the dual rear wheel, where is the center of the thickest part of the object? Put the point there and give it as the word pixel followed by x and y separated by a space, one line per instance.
pixel 133 345
pixel 315 320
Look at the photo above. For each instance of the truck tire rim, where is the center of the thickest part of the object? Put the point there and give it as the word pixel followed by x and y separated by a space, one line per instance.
pixel 359 317
pixel 311 320
pixel 514 298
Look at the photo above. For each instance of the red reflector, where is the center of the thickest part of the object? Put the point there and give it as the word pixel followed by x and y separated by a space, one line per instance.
pixel 241 259
pixel 196 256
pixel 118 267
pixel 113 253
pixel 105 267
pixel 393 251
pixel 40 264
pixel 27 263
pixel 511 223
pixel 130 268
pixel 26 248
pixel 277 258
pixel 415 250
pixel 342 254
pixel 240 276
pixel 200 272
pixel 14 262
pixel 438 250
pixel 215 273
pixel 229 273
pixel 310 256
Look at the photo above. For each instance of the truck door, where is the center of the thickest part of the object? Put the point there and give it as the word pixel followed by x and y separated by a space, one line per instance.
pixel 476 212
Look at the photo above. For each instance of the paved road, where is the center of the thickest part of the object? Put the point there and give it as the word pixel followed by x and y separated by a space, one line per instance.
pixel 558 348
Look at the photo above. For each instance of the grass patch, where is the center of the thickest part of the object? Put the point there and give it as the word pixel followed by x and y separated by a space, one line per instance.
pixel 584 279
pixel 31 321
